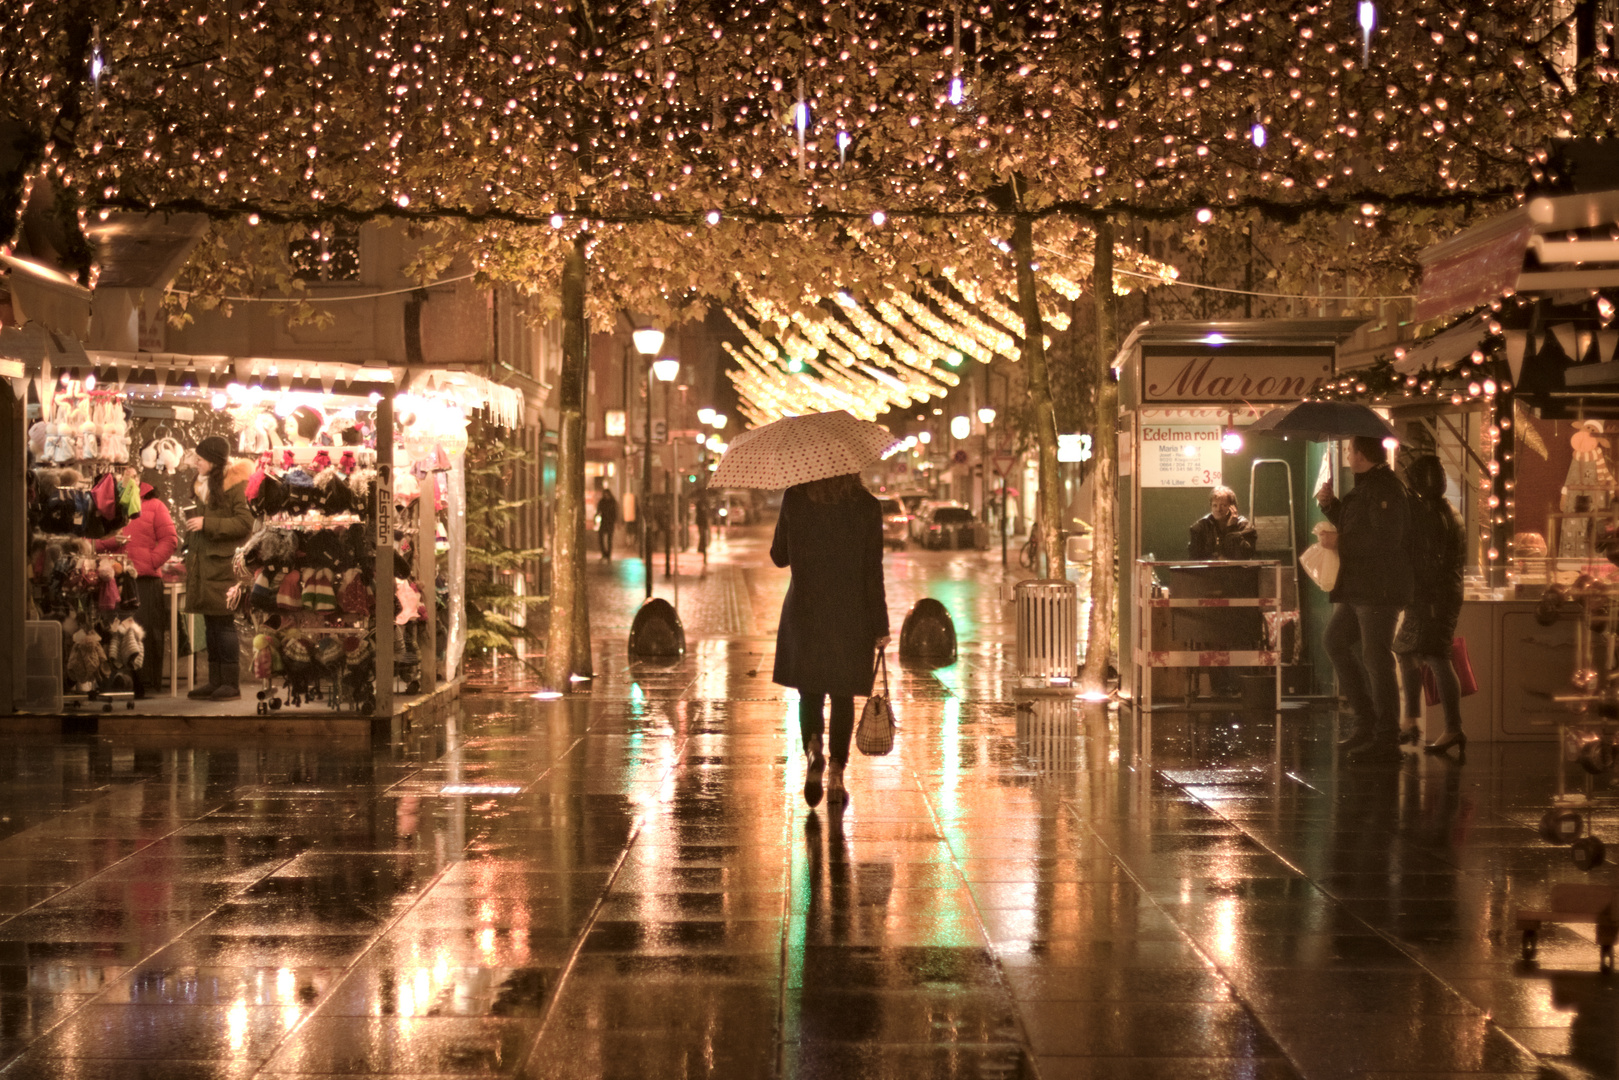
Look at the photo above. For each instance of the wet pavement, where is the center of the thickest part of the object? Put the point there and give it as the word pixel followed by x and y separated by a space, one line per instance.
pixel 628 884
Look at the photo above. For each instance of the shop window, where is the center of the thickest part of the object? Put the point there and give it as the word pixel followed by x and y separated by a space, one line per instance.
pixel 332 253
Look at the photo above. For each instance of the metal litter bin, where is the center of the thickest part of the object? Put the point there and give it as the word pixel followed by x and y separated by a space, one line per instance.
pixel 1047 628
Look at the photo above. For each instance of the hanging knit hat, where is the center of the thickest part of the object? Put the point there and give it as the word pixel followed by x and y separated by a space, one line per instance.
pixel 290 595
pixel 354 595
pixel 318 592
pixel 265 583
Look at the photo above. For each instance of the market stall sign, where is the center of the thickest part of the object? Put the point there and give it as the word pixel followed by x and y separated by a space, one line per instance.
pixel 1178 456
pixel 1476 274
pixel 1230 377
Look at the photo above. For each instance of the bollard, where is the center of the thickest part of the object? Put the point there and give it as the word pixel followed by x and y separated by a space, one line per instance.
pixel 929 634
pixel 656 633
pixel 1047 628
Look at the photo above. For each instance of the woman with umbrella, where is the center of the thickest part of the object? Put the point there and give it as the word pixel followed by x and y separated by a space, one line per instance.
pixel 830 534
pixel 835 617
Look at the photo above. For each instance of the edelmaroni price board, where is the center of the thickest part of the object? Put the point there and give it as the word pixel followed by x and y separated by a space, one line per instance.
pixel 1180 455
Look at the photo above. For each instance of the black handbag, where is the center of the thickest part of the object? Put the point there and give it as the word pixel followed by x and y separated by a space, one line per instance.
pixel 874 735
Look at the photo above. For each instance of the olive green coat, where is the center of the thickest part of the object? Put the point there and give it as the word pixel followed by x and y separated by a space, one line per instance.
pixel 209 552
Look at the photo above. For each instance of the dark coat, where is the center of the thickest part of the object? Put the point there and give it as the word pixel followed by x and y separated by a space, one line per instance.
pixel 1211 540
pixel 225 524
pixel 1438 554
pixel 607 510
pixel 1374 544
pixel 836 608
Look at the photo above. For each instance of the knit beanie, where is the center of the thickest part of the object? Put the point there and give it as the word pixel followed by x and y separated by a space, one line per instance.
pixel 214 450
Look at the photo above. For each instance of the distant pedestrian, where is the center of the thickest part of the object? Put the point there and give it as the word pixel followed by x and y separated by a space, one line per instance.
pixel 835 616
pixel 700 508
pixel 1374 584
pixel 606 521
pixel 1438 554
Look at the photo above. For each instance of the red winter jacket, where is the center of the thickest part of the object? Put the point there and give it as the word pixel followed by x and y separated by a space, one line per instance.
pixel 148 540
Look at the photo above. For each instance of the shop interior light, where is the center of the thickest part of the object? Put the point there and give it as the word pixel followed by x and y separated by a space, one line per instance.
pixel 648 340
pixel 1231 441
pixel 667 370
pixel 986 415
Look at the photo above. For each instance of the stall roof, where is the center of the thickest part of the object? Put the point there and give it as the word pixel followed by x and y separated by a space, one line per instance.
pixel 1239 333
pixel 1541 247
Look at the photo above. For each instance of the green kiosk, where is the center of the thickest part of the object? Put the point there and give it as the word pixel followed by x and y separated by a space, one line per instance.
pixel 1250 626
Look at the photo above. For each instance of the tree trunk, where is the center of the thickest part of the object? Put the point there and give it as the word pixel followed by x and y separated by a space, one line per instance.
pixel 1105 468
pixel 1045 416
pixel 567 649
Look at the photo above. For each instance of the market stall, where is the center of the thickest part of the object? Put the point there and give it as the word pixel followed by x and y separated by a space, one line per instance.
pixel 1191 627
pixel 348 588
pixel 1513 387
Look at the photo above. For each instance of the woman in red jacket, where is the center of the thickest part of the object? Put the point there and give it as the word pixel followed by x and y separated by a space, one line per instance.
pixel 148 541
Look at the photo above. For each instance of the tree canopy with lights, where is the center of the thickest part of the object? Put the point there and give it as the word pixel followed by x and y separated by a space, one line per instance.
pixel 813 166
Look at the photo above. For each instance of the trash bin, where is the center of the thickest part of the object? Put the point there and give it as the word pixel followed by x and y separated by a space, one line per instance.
pixel 1047 628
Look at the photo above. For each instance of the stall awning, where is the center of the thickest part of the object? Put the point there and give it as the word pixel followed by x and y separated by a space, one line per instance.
pixel 472 392
pixel 1545 246
pixel 1444 351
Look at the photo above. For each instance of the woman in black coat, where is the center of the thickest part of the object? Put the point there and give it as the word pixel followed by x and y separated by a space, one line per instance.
pixel 1438 551
pixel 835 616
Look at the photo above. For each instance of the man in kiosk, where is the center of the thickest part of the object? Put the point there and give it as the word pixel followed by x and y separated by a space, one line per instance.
pixel 1220 535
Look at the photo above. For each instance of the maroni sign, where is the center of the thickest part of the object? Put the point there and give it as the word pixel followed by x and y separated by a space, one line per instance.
pixel 1223 377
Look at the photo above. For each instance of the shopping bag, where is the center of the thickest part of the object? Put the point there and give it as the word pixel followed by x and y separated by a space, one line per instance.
pixel 1322 565
pixel 1464 674
pixel 874 735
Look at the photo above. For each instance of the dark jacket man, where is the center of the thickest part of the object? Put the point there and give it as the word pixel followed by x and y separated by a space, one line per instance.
pixel 1374 540
pixel 1222 533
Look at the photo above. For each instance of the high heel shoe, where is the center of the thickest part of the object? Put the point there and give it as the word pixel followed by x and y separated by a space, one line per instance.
pixel 1411 736
pixel 1448 740
pixel 812 774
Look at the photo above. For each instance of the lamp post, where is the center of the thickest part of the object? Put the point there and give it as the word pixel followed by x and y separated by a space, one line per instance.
pixel 667 370
pixel 648 340
pixel 986 415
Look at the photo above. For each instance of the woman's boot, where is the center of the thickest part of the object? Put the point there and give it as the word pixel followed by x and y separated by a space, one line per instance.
pixel 837 796
pixel 206 690
pixel 813 772
pixel 228 688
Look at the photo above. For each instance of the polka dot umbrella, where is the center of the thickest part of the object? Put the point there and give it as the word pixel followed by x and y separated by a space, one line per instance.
pixel 798 449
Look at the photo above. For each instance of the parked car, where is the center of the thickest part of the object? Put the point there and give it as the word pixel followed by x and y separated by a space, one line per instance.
pixel 896 523
pixel 949 526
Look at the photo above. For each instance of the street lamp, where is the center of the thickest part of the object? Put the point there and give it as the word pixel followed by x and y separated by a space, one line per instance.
pixel 667 371
pixel 648 340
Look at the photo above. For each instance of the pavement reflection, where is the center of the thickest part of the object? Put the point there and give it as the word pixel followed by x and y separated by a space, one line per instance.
pixel 627 883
